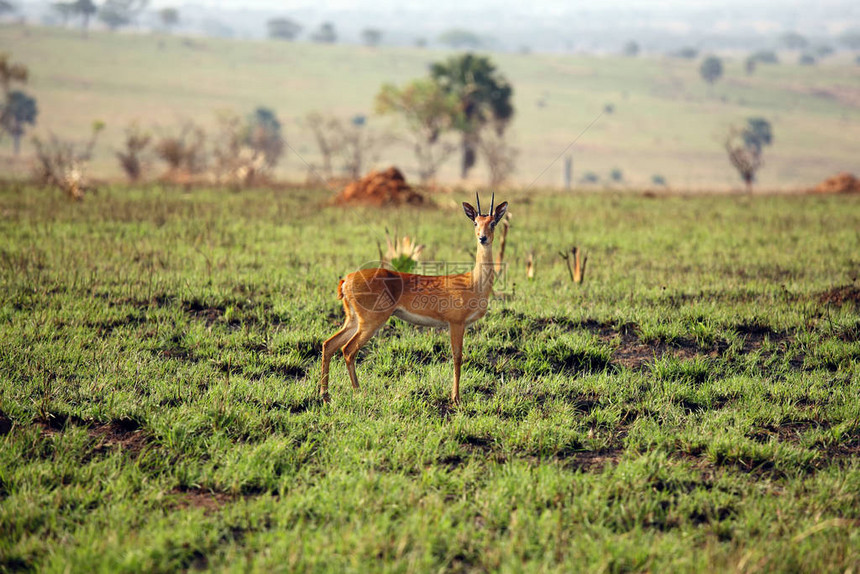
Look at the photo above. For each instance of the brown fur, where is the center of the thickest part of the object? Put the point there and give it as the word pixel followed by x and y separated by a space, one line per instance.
pixel 371 296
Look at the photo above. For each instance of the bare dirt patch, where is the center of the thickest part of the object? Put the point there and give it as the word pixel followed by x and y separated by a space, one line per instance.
pixel 187 497
pixel 591 461
pixel 121 433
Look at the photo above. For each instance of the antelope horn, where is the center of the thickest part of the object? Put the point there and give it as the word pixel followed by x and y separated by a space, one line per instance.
pixel 478 201
pixel 492 203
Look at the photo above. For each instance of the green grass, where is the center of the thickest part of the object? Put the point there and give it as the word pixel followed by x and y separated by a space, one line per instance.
pixel 693 406
pixel 666 121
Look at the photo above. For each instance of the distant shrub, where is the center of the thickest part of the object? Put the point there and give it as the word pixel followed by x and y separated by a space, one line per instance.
pixel 823 51
pixel 590 177
pixel 184 152
pixel 687 53
pixel 658 179
pixel 631 49
pixel 130 158
pixel 63 164
pixel 765 57
pixel 807 60
pixel 711 69
pixel 616 175
pixel 609 109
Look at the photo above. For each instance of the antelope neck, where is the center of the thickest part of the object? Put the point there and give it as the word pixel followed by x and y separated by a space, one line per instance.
pixel 484 271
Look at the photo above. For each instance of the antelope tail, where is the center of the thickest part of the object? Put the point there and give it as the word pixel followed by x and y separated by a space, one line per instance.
pixel 340 289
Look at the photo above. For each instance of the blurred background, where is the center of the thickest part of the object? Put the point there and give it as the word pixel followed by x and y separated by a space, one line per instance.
pixel 670 95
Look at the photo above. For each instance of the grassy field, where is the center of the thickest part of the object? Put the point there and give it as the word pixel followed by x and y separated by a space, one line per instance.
pixel 666 120
pixel 694 406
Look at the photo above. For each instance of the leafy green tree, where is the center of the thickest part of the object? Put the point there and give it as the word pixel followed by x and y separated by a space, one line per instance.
pixel 6 7
pixel 459 38
pixel 169 18
pixel 745 146
pixel 430 112
pixel 20 110
pixel 325 34
pixel 711 69
pixel 484 97
pixel 283 29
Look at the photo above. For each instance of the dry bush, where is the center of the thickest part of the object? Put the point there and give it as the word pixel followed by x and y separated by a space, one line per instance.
pixel 131 158
pixel 236 163
pixel 351 140
pixel 184 153
pixel 500 157
pixel 63 164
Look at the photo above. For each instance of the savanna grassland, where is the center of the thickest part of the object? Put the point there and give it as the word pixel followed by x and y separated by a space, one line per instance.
pixel 663 120
pixel 694 406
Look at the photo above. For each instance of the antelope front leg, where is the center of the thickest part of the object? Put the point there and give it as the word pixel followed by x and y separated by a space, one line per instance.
pixel 457 331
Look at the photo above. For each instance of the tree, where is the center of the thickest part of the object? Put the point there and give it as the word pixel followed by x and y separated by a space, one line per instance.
pixel 631 49
pixel 711 69
pixel 794 41
pixel 283 29
pixel 807 60
pixel 484 97
pixel 85 10
pixel 851 39
pixel 325 34
pixel 500 157
pixel 688 53
pixel 744 147
pixel 6 7
pixel 20 110
pixel 458 38
pixel 371 36
pixel 119 13
pixel 64 10
pixel 765 57
pixel 430 112
pixel 169 18
pixel 265 137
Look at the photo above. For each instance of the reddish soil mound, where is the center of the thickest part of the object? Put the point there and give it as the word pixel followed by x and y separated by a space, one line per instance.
pixel 840 183
pixel 387 187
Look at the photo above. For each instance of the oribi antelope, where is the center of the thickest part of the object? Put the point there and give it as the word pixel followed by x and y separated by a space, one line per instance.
pixel 371 296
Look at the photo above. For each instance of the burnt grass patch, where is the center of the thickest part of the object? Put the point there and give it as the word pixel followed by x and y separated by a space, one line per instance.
pixel 840 295
pixel 629 349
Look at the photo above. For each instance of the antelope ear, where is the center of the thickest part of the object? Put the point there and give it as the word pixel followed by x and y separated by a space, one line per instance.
pixel 500 212
pixel 470 211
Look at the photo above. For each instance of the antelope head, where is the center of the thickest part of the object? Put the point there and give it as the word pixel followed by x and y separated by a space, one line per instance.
pixel 485 224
